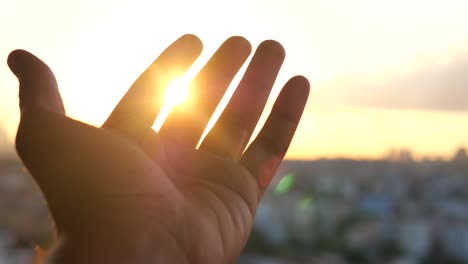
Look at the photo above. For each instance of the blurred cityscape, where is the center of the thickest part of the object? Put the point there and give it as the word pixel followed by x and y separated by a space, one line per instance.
pixel 394 210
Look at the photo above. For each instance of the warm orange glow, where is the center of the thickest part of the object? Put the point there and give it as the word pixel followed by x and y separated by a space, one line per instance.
pixel 177 93
pixel 98 49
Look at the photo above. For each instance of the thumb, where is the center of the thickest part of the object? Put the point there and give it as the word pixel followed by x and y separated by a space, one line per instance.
pixel 38 86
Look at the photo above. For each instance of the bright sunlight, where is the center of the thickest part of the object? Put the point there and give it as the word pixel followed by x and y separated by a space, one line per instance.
pixel 177 93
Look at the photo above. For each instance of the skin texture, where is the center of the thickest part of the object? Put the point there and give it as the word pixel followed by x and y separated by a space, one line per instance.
pixel 122 193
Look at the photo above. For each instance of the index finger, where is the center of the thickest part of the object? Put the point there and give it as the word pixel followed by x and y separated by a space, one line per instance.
pixel 143 100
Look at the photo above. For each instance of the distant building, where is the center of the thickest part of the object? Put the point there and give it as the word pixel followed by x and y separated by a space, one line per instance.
pixel 460 159
pixel 415 237
pixel 455 240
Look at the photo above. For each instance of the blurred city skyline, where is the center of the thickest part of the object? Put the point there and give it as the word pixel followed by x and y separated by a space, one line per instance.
pixel 392 210
pixel 384 75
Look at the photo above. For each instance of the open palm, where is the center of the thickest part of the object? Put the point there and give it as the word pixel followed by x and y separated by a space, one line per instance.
pixel 125 182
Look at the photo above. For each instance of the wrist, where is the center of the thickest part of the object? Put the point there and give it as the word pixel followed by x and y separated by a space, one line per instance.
pixel 101 232
pixel 119 235
pixel 118 247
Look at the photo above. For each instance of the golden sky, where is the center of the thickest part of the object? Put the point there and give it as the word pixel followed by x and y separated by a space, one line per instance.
pixel 384 74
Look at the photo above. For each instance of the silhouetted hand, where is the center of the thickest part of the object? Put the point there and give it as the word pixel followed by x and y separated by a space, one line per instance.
pixel 123 193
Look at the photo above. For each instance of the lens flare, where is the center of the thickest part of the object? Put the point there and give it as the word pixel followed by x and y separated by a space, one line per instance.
pixel 177 93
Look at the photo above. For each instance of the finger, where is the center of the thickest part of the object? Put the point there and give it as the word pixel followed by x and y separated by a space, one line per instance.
pixel 232 132
pixel 38 86
pixel 142 102
pixel 185 124
pixel 266 152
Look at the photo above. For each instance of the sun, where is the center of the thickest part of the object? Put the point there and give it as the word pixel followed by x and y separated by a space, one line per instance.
pixel 177 92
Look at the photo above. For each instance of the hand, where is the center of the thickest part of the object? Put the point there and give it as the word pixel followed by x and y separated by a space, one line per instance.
pixel 123 193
